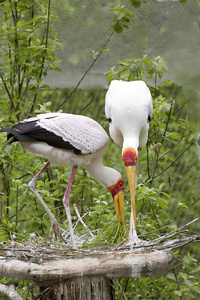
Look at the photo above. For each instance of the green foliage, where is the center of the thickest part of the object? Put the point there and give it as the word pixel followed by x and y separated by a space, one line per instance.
pixel 163 196
pixel 175 285
pixel 139 68
pixel 27 52
pixel 168 177
pixel 164 190
pixel 135 3
pixel 122 18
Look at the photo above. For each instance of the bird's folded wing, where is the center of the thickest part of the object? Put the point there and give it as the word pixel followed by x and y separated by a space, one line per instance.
pixel 67 131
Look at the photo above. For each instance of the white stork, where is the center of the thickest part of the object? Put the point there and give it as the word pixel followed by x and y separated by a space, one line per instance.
pixel 129 108
pixel 68 140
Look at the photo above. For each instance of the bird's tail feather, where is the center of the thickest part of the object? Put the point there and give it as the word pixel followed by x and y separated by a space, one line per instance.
pixel 8 143
pixel 6 129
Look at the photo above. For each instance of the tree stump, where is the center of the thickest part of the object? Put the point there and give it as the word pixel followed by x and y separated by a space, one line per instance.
pixel 86 288
pixel 65 274
pixel 110 265
pixel 89 276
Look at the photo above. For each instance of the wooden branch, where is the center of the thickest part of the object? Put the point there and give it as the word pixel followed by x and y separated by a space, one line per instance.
pixel 111 265
pixel 10 292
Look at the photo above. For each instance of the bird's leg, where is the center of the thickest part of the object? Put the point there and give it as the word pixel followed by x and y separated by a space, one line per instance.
pixel 132 233
pixel 54 222
pixel 66 205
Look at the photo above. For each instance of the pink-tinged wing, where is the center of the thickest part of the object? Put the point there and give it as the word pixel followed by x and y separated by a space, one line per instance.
pixel 82 133
pixel 67 131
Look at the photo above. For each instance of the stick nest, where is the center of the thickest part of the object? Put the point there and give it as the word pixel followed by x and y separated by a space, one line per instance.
pixel 39 250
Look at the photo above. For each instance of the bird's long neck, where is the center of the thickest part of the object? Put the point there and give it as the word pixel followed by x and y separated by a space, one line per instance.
pixel 131 142
pixel 106 176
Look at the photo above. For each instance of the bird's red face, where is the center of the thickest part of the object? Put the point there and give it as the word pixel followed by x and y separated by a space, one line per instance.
pixel 130 161
pixel 129 157
pixel 117 191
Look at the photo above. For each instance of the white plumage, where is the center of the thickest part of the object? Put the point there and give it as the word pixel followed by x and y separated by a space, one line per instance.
pixel 129 108
pixel 129 105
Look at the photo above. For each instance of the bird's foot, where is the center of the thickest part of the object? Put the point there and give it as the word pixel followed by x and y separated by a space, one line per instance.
pixel 71 231
pixel 133 238
pixel 133 241
pixel 56 229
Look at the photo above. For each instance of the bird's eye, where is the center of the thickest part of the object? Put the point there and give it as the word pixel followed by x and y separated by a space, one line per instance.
pixel 109 120
pixel 149 118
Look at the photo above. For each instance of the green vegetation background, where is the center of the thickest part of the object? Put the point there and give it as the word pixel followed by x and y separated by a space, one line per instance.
pixel 168 177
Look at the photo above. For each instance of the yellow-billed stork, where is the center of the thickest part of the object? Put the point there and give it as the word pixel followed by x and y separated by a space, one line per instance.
pixel 68 140
pixel 128 107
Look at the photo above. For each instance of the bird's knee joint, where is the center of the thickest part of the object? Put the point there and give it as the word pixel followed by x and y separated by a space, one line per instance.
pixel 31 185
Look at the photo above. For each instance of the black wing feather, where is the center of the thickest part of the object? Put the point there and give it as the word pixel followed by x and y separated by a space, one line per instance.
pixel 31 131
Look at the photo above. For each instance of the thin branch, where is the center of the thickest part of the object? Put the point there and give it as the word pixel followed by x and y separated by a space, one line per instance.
pixel 181 107
pixel 6 88
pixel 183 242
pixel 82 222
pixel 87 104
pixel 121 289
pixel 171 149
pixel 45 50
pixel 174 161
pixel 87 71
pixel 148 164
pixel 167 123
pixel 45 292
pixel 162 140
pixel 177 283
pixel 196 201
pixel 186 171
pixel 31 16
pixel 174 232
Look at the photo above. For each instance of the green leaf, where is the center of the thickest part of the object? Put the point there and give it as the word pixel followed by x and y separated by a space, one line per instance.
pixel 118 28
pixel 182 205
pixel 99 209
pixel 135 3
pixel 161 202
pixel 178 293
pixel 196 289
pixel 175 135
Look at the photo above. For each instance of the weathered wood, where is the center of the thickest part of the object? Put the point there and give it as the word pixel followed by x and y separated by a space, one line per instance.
pixel 110 265
pixel 85 288
pixel 61 271
pixel 10 292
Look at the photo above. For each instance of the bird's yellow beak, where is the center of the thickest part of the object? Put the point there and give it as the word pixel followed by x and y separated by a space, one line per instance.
pixel 130 161
pixel 131 175
pixel 117 191
pixel 118 200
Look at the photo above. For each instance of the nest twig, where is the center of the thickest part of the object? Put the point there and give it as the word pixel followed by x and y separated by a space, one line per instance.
pixel 39 252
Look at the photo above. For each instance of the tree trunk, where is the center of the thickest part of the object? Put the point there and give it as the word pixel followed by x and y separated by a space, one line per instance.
pixel 81 288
